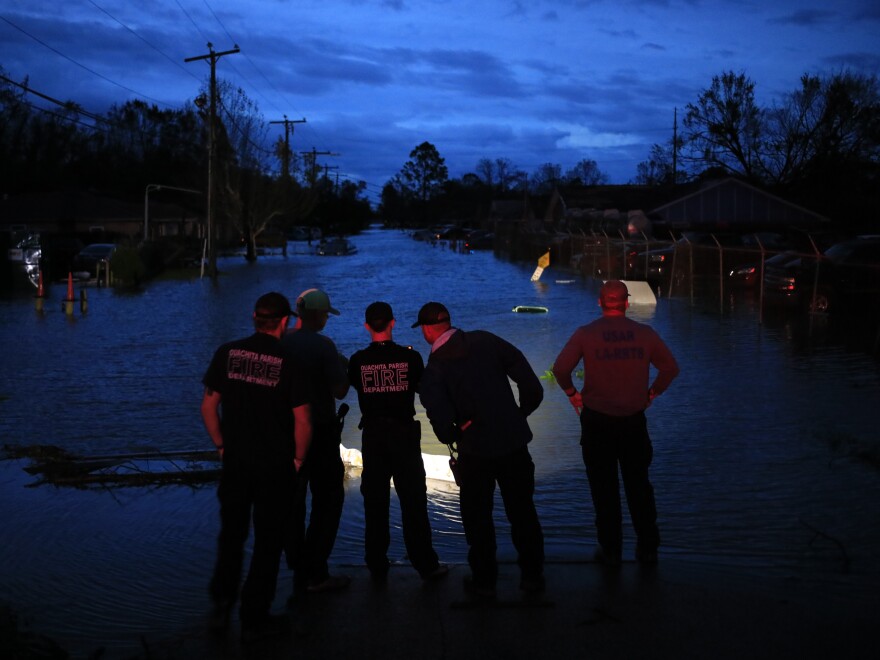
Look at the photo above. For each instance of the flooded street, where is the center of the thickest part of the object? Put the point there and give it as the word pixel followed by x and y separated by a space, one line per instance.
pixel 766 446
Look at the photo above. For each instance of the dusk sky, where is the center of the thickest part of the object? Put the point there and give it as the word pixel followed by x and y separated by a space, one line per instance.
pixel 534 82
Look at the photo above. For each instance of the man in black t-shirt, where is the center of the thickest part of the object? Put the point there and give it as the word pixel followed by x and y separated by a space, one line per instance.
pixel 256 411
pixel 386 377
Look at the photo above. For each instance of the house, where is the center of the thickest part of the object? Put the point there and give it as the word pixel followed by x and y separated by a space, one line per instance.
pixel 732 205
pixel 84 213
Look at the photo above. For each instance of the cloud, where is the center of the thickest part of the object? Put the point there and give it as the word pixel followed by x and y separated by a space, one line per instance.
pixel 805 18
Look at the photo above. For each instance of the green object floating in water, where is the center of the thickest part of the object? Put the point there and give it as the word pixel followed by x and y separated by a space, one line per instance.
pixel 530 309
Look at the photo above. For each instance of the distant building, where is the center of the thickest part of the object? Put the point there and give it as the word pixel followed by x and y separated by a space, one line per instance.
pixel 732 205
pixel 84 213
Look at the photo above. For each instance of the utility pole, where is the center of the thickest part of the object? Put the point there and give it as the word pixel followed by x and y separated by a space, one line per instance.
pixel 313 155
pixel 327 169
pixel 212 56
pixel 674 145
pixel 288 129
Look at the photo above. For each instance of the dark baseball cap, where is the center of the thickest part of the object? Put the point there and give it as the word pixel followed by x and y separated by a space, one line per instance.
pixel 272 305
pixel 432 313
pixel 378 311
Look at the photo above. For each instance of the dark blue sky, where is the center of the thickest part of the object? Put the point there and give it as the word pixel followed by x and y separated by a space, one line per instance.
pixel 537 82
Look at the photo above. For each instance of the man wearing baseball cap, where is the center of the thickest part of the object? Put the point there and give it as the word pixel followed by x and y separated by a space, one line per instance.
pixel 467 394
pixel 386 376
pixel 308 549
pixel 618 354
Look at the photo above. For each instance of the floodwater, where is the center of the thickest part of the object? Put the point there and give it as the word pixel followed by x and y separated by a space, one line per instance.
pixel 765 447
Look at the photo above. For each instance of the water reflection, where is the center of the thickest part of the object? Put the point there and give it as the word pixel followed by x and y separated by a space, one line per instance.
pixel 762 446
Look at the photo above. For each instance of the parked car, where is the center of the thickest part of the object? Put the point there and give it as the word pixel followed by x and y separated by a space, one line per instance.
pixel 92 257
pixel 51 254
pixel 454 234
pixel 706 253
pixel 845 276
pixel 748 275
pixel 604 257
pixel 336 247
pixel 480 240
pixel 423 235
pixel 25 257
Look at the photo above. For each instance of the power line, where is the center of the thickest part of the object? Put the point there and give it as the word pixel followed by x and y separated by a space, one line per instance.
pixel 82 66
pixel 157 49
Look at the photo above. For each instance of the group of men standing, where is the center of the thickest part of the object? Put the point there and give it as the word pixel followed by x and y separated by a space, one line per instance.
pixel 269 407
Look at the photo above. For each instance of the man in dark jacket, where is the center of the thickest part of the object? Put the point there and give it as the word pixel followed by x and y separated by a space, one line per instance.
pixel 469 401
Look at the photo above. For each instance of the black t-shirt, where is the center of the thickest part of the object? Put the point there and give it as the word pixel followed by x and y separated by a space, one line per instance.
pixel 259 386
pixel 386 376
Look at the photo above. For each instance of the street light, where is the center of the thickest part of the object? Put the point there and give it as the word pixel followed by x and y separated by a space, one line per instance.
pixel 156 186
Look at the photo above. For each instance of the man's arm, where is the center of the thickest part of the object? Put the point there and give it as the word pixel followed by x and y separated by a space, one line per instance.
pixel 565 364
pixel 667 368
pixel 335 369
pixel 302 430
pixel 438 406
pixel 531 392
pixel 211 417
pixel 341 384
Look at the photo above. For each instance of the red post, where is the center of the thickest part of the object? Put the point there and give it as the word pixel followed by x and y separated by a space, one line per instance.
pixel 68 302
pixel 41 294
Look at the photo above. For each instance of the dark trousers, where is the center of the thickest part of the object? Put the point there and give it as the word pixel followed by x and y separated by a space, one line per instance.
pixel 267 494
pixel 391 449
pixel 609 442
pixel 515 476
pixel 308 548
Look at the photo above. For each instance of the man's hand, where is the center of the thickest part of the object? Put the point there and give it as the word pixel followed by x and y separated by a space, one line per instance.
pixel 576 402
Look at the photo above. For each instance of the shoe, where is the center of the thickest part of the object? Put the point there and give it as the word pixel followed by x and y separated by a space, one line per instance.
pixel 438 573
pixel 533 584
pixel 274 625
pixel 609 559
pixel 648 557
pixel 477 590
pixel 218 620
pixel 330 583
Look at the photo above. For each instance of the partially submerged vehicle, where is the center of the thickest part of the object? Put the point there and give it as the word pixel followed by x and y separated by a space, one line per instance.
pixel 336 247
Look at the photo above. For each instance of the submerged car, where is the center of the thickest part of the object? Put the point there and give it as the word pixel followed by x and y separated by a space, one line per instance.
pixel 336 247
pixel 480 240
pixel 845 276
pixel 748 276
pixel 91 258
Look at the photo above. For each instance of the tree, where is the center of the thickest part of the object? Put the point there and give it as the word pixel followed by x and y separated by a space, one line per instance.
pixel 395 202
pixel 826 139
pixel 545 178
pixel 658 169
pixel 486 171
pixel 245 194
pixel 508 176
pixel 724 127
pixel 586 173
pixel 425 173
pixel 500 174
